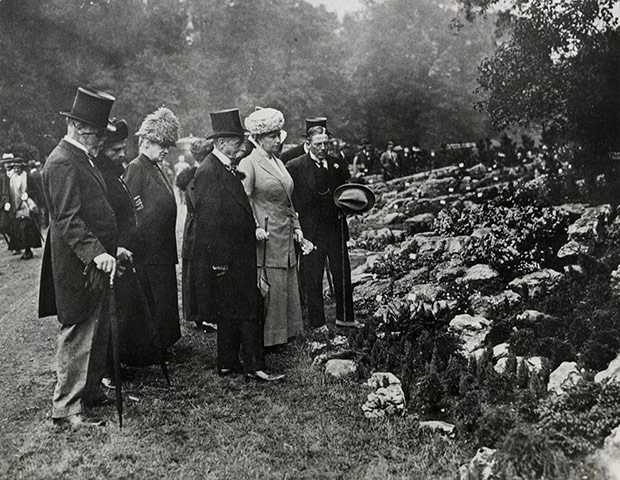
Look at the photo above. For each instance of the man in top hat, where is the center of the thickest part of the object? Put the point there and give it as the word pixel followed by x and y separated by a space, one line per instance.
pixel 225 253
pixel 316 176
pixel 81 239
pixel 299 150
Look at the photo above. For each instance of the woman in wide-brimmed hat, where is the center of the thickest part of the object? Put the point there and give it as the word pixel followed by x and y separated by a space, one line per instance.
pixel 269 187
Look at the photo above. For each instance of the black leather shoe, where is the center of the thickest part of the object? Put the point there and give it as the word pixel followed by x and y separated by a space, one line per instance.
pixel 262 376
pixel 225 372
pixel 77 421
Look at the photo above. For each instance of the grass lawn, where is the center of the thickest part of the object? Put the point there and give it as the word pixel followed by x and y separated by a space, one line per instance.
pixel 204 426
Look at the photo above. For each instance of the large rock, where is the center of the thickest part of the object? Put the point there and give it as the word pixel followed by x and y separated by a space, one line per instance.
pixel 480 273
pixel 430 246
pixel 438 426
pixel 340 368
pixel 450 270
pixel 611 374
pixel 589 227
pixel 573 249
pixel 425 293
pixel 385 401
pixel 422 222
pixel 391 218
pixel 370 290
pixel 472 330
pixel 481 467
pixel 563 377
pixel 535 284
pixel 375 239
pixel 494 305
pixel 414 277
pixel 437 187
pixel 574 210
pixel 533 316
pixel 382 380
pixel 477 171
pixel 609 456
pixel 456 245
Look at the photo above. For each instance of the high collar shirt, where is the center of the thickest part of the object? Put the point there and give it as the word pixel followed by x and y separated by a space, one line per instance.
pixel 221 157
pixel 319 163
pixel 79 146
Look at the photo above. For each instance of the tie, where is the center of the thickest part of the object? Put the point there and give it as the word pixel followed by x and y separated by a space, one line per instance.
pixel 321 164
pixel 232 168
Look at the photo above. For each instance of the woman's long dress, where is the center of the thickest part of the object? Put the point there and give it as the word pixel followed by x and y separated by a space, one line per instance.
pixel 269 187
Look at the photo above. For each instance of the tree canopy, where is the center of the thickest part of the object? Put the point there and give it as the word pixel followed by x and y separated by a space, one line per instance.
pixel 394 71
pixel 557 65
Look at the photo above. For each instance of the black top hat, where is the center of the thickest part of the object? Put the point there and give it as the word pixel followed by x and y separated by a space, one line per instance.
pixel 92 107
pixel 354 198
pixel 120 133
pixel 226 123
pixel 317 122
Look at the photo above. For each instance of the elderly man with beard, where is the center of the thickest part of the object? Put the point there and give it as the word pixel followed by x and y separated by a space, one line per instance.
pixel 225 254
pixel 82 238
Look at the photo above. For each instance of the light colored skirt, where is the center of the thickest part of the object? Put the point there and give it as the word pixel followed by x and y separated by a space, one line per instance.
pixel 283 319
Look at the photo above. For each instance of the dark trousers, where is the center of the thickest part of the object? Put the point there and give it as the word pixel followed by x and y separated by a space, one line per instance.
pixel 312 267
pixel 245 335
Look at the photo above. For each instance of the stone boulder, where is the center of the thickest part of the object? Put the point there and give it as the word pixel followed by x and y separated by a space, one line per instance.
pixel 456 245
pixel 533 316
pixel 614 282
pixel 433 188
pixel 574 210
pixel 382 380
pixel 422 222
pixel 481 467
pixel 563 377
pixel 573 249
pixel 477 171
pixel 494 305
pixel 376 238
pixel 430 245
pixel 425 293
pixel 589 227
pixel 609 456
pixel 340 368
pixel 371 289
pixel 387 401
pixel 535 284
pixel 438 426
pixel 449 171
pixel 393 217
pixel 611 374
pixel 414 277
pixel 472 330
pixel 450 270
pixel 479 274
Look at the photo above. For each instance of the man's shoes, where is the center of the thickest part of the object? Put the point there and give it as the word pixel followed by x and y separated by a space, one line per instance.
pixel 27 255
pixel 226 372
pixel 101 400
pixel 353 324
pixel 108 382
pixel 262 376
pixel 320 330
pixel 77 421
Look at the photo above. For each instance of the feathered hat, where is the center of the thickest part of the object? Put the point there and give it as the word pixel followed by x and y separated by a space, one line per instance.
pixel 162 127
pixel 264 120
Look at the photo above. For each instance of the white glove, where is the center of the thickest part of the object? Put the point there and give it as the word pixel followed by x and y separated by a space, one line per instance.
pixel 7 206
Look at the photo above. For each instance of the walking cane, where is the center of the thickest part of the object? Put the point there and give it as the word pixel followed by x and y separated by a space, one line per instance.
pixel 116 350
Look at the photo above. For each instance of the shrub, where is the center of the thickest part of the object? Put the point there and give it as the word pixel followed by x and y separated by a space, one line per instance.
pixel 528 453
pixel 494 425
pixel 580 420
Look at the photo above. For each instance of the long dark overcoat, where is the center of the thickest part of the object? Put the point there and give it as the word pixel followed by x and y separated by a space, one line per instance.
pixel 82 226
pixel 306 197
pixel 157 230
pixel 225 236
pixel 157 220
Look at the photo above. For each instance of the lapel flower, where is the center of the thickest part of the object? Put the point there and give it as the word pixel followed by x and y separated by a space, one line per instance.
pixel 336 165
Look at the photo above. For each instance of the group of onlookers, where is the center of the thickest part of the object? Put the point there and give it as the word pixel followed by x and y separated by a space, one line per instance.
pixel 258 237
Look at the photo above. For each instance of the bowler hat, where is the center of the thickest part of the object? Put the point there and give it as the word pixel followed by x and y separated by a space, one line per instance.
pixel 92 107
pixel 317 122
pixel 226 123
pixel 354 198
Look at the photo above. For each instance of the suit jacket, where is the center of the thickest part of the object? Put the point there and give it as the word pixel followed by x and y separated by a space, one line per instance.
pixel 157 220
pixel 82 226
pixel 269 188
pixel 121 201
pixel 306 196
pixel 291 153
pixel 225 236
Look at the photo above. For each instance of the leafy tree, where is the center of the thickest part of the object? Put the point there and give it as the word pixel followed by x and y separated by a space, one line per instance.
pixel 557 65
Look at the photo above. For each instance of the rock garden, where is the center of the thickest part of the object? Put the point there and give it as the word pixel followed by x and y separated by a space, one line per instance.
pixel 491 302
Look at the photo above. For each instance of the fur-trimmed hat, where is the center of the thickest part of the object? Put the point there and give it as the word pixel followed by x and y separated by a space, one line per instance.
pixel 161 127
pixel 264 120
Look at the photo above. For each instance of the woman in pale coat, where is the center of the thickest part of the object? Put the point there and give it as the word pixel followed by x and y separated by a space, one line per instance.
pixel 269 188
